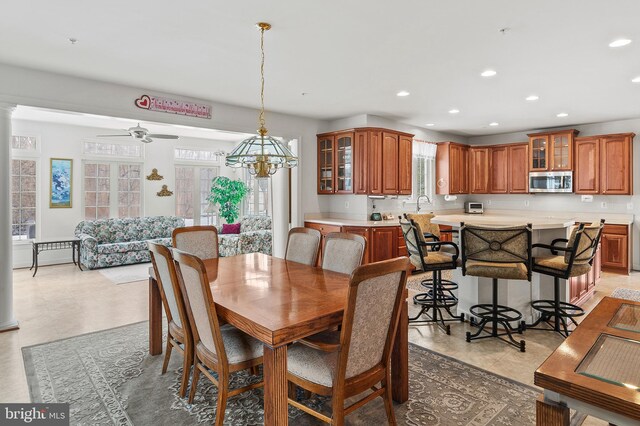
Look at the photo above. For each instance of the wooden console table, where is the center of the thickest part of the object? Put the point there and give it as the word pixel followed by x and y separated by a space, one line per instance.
pixel 39 246
pixel 596 371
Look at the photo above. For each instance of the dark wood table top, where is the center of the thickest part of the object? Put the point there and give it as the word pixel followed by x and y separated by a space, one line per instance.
pixel 274 300
pixel 558 372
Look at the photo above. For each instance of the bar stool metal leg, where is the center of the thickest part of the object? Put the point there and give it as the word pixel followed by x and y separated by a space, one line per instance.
pixel 433 302
pixel 495 315
pixel 556 310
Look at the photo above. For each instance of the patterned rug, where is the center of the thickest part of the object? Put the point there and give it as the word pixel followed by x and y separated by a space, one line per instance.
pixel 109 378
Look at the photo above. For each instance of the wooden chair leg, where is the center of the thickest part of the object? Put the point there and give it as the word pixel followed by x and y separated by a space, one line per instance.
pixel 223 394
pixel 194 383
pixel 167 355
pixel 293 391
pixel 337 413
pixel 186 371
pixel 388 402
pixel 255 370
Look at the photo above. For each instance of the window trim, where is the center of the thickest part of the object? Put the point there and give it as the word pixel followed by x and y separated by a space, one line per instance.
pixel 113 158
pixel 185 161
pixel 195 189
pixel 38 197
pixel 27 154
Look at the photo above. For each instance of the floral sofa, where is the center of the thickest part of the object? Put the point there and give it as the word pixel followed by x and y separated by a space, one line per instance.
pixel 255 236
pixel 114 242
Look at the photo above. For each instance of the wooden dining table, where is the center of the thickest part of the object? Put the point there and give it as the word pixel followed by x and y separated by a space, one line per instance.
pixel 278 302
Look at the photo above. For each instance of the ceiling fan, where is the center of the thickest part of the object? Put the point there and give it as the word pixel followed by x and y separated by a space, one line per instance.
pixel 141 134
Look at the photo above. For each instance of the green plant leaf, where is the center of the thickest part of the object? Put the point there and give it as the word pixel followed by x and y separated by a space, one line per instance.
pixel 228 194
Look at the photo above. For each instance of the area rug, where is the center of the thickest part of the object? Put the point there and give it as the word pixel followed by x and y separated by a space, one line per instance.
pixel 626 293
pixel 108 377
pixel 126 274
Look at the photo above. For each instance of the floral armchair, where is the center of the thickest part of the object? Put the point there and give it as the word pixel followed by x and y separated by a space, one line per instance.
pixel 122 241
pixel 255 236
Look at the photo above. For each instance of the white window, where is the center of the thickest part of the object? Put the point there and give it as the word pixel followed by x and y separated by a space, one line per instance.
pixel 112 190
pixel 193 185
pixel 197 154
pixel 424 174
pixel 112 149
pixel 257 201
pixel 23 198
pixel 26 143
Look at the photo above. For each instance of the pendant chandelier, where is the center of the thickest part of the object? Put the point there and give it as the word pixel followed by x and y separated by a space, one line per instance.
pixel 263 155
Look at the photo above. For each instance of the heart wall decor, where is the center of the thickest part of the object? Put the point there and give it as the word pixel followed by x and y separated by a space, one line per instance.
pixel 143 102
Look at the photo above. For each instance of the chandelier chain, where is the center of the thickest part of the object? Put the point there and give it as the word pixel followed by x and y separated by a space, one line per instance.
pixel 261 117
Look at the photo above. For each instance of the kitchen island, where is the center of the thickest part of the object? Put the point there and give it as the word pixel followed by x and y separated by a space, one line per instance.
pixel 516 294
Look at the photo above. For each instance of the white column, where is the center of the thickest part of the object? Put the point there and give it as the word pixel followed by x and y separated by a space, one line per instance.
pixel 7 321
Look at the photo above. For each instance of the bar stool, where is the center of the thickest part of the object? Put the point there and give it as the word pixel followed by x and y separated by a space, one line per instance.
pixel 436 299
pixel 579 252
pixel 496 253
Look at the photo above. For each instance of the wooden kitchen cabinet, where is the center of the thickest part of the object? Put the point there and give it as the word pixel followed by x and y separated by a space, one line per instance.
pixel 615 248
pixel 603 164
pixel 384 243
pixel 365 161
pixel 452 161
pixel 390 156
pixel 405 165
pixel 498 169
pixel 551 151
pixel 581 288
pixel 616 156
pixel 586 177
pixel 479 158
pixel 324 230
pixel 517 170
pixel 364 232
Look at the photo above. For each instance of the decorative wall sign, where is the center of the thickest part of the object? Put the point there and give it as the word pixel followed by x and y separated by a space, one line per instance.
pixel 173 106
pixel 61 188
pixel 154 175
pixel 164 192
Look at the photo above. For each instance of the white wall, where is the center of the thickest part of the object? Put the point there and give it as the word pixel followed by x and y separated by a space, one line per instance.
pixel 572 202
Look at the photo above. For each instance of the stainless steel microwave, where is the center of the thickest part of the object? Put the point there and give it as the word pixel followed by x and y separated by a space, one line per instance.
pixel 550 181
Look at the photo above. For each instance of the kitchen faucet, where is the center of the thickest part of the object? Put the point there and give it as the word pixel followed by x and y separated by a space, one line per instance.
pixel 418 202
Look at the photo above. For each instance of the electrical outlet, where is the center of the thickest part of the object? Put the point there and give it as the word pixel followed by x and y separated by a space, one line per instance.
pixel 587 198
pixel 629 206
pixel 603 205
pixel 346 204
pixel 488 202
pixel 526 203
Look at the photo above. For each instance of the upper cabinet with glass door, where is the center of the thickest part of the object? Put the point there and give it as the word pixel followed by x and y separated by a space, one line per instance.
pixel 344 163
pixel 325 165
pixel 551 151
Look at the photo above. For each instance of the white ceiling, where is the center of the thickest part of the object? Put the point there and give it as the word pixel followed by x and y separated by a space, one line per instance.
pixel 351 57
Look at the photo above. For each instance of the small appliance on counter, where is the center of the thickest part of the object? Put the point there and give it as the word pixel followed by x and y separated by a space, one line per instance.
pixel 376 217
pixel 473 207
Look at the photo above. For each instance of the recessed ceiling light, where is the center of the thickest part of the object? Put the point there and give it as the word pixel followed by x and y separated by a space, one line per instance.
pixel 619 42
pixel 488 73
pixel 562 114
pixel 636 79
pixel 532 98
pixel 430 124
pixel 73 40
pixel 454 111
pixel 403 93
pixel 494 124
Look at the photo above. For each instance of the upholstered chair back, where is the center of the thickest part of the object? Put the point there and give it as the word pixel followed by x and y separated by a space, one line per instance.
pixel 413 236
pixel 374 299
pixel 303 245
pixel 585 239
pixel 424 221
pixel 165 274
pixel 343 252
pixel 198 301
pixel 201 241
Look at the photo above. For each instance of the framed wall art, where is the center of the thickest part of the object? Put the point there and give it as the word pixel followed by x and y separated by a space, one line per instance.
pixel 61 186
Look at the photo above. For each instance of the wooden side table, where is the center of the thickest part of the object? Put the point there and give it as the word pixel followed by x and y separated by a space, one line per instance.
pixel 38 246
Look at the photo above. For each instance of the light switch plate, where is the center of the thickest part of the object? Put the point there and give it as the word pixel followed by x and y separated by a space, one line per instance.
pixel 603 205
pixel 587 198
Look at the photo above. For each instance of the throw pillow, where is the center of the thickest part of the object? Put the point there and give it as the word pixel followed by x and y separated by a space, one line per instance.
pixel 231 228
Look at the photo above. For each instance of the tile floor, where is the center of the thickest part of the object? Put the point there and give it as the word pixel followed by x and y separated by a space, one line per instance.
pixel 62 301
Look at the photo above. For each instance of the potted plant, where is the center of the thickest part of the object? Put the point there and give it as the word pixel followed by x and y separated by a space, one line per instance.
pixel 228 194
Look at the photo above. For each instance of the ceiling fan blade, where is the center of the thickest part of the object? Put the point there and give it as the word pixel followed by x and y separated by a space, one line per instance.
pixel 146 139
pixel 159 136
pixel 111 136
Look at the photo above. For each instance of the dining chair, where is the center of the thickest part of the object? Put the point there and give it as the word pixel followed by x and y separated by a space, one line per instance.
pixel 201 241
pixel 222 350
pixel 343 252
pixel 355 359
pixel 571 257
pixel 303 245
pixel 179 331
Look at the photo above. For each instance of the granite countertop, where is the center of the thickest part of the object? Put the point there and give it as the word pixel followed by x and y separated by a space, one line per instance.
pixel 503 220
pixel 353 222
